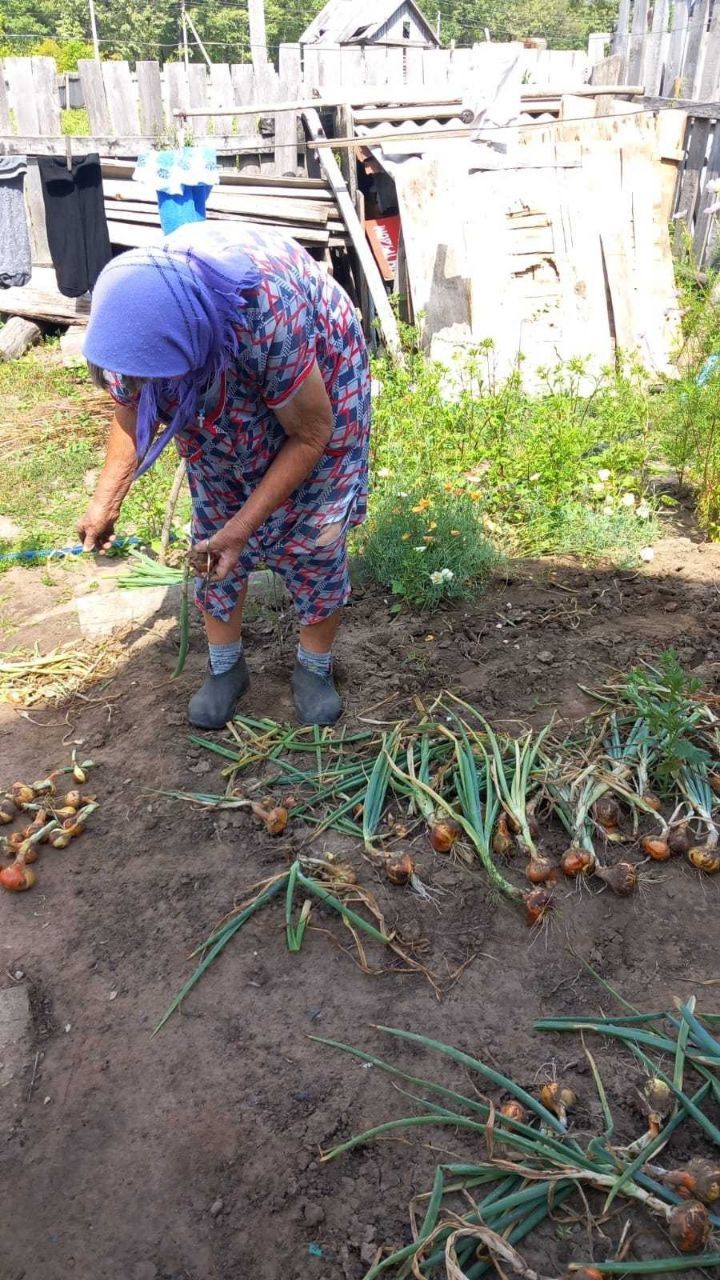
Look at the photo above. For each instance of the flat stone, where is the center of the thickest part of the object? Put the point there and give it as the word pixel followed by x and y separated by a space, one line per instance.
pixel 15 1028
pixel 217 1207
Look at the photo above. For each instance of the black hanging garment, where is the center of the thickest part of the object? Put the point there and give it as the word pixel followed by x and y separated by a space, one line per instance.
pixel 76 225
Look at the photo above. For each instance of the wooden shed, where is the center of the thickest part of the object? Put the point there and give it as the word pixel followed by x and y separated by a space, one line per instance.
pixel 378 22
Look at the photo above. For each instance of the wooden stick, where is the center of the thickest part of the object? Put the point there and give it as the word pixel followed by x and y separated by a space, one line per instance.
pixel 381 302
pixel 172 502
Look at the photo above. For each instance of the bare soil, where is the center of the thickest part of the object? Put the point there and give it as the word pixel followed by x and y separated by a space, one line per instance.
pixel 194 1155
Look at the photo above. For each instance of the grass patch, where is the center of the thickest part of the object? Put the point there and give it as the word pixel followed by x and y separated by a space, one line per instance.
pixel 75 122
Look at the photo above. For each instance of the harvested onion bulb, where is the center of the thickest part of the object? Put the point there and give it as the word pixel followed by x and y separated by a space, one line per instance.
pixel 540 870
pixel 59 839
pixel 22 794
pixel 537 904
pixel 705 859
pixel 700 1180
pixel 443 833
pixel 658 850
pixel 680 838
pixel 689 1226
pixel 400 870
pixel 607 813
pixel 584 1273
pixel 17 878
pixel 502 841
pixel 45 787
pixel 7 812
pixel 557 1097
pixel 15 841
pixel 652 801
pixel 577 862
pixel 513 1110
pixel 76 799
pixel 659 1097
pixel 622 878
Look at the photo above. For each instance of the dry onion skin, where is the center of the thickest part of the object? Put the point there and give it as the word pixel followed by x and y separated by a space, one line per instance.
pixel 537 904
pixel 652 801
pixel 59 839
pixel 658 850
pixel 621 879
pixel 502 841
pixel 17 878
pixel 514 1110
pixel 22 795
pixel 400 870
pixel 577 862
pixel 558 1098
pixel 541 870
pixel 443 834
pixel 704 859
pixel 607 813
pixel 689 1225
pixel 15 841
pixel 700 1180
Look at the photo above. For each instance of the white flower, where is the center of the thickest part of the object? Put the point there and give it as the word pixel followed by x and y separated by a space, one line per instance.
pixel 437 578
pixel 628 499
pixel 534 477
pixel 447 575
pixel 376 387
pixel 607 509
pixel 598 489
pixel 643 511
pixel 647 554
pixel 419 548
pixel 403 495
pixel 604 474
pixel 384 473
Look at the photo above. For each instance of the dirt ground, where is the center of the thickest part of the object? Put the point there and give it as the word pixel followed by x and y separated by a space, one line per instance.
pixel 195 1155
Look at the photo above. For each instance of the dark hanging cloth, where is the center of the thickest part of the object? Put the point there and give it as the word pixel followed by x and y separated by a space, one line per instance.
pixel 14 240
pixel 76 225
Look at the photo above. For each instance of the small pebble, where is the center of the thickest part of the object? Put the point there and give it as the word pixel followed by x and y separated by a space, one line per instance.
pixel 217 1207
pixel 18 975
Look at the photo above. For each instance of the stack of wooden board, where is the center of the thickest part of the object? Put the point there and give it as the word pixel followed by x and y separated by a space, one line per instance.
pixel 301 207
pixel 561 251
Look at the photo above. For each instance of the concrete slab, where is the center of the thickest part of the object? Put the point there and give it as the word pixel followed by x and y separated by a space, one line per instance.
pixel 15 1033
pixel 102 612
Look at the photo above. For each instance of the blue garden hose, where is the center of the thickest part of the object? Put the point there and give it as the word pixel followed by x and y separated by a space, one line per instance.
pixel 42 553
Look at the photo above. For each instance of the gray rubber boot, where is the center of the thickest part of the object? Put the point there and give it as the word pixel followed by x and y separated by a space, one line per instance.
pixel 317 701
pixel 214 704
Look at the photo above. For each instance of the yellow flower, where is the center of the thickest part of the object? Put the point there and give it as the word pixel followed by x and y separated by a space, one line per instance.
pixel 432 524
pixel 474 496
pixel 422 505
pixel 449 487
pixel 455 533
pixel 428 538
pixel 405 537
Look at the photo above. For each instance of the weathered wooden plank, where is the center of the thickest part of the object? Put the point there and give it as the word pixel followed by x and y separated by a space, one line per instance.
pixel 177 87
pixel 620 38
pixel 41 299
pixel 16 336
pixel 710 78
pixel 697 27
pixel 414 67
pixel 671 128
pixel 638 38
pixel 47 98
pixel 121 97
pixel 149 83
pixel 703 220
pixel 675 59
pixel 351 68
pixel 381 302
pixel 243 82
pixel 4 104
pixel 220 88
pixel 37 222
pixel 197 96
pixel 699 132
pixel 21 94
pixel 607 72
pixel 93 87
pixel 375 65
pixel 286 122
pixel 652 71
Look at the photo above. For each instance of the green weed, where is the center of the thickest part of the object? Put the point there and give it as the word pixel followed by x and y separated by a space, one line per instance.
pixel 426 547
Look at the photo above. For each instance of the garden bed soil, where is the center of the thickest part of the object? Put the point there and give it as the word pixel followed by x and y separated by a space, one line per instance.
pixel 194 1155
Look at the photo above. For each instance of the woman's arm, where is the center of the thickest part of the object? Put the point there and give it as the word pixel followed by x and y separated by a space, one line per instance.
pixel 307 421
pixel 96 526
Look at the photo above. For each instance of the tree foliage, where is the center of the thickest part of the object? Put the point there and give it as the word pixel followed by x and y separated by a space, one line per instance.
pixel 136 29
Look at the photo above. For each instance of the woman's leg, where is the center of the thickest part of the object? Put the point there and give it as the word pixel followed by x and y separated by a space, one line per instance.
pixel 319 637
pixel 230 630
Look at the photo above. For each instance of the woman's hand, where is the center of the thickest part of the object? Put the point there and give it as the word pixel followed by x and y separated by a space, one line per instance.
pixel 97 525
pixel 216 557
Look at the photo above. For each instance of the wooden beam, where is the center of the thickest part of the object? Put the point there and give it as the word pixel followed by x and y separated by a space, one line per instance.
pixel 381 302
pixel 16 336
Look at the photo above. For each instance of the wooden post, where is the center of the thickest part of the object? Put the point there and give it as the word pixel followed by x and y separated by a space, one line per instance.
pixel 258 38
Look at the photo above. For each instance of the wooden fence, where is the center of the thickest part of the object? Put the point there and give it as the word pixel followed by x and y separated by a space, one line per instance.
pixel 671 48
pixel 701 165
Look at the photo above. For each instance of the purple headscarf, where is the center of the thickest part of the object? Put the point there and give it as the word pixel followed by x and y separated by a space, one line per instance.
pixel 168 314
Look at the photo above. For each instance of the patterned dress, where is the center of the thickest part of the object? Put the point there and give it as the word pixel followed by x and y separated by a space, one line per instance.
pixel 296 317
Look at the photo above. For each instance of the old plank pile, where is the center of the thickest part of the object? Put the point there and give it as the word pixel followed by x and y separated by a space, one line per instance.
pixel 558 250
pixel 301 207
